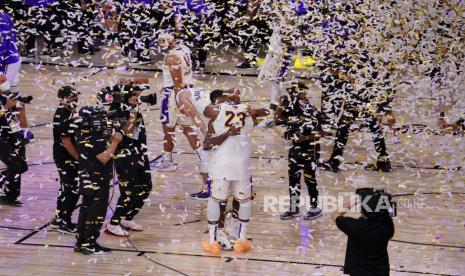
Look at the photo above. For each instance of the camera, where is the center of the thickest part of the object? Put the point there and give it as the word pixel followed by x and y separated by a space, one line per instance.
pixel 98 120
pixel 120 94
pixel 18 97
pixel 377 202
pixel 149 99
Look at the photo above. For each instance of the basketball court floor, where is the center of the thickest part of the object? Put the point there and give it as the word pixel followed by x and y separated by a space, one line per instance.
pixel 428 181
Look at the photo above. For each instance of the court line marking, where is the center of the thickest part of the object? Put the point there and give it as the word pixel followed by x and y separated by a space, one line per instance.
pixel 143 253
pixel 237 258
pixel 32 233
pixel 140 69
pixel 208 73
pixel 21 242
pixel 16 228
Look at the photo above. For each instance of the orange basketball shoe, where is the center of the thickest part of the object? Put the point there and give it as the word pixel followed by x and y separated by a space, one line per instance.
pixel 242 246
pixel 214 248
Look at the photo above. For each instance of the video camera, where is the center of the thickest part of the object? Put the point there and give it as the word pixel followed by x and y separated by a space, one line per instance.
pixel 98 120
pixel 378 202
pixel 18 97
pixel 121 93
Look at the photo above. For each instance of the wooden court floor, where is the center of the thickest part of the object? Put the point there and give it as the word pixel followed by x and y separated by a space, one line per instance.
pixel 430 189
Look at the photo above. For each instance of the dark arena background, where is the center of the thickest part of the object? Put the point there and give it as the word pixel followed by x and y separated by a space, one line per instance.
pixel 380 88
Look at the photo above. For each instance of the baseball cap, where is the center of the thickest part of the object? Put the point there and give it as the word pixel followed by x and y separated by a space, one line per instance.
pixel 67 91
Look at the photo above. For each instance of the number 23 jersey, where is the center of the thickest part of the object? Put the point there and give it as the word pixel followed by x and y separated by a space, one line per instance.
pixel 231 160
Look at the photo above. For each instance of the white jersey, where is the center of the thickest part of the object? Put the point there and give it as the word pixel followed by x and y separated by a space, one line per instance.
pixel 184 55
pixel 231 160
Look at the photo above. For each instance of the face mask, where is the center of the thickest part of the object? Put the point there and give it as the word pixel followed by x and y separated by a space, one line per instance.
pixel 5 86
pixel 71 104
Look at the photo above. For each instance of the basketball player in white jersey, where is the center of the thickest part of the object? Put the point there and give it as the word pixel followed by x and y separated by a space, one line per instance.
pixel 177 75
pixel 194 103
pixel 228 139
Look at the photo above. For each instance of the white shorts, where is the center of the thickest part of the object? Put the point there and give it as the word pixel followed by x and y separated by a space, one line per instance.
pixel 200 99
pixel 170 114
pixel 240 189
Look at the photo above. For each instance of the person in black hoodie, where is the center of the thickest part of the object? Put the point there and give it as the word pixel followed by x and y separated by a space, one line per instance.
pixel 304 130
pixel 367 236
pixel 65 156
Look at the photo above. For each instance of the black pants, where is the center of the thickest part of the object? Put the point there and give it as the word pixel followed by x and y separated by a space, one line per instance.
pixel 200 32
pixel 80 28
pixel 303 157
pixel 68 194
pixel 197 38
pixel 136 30
pixel 135 185
pixel 14 158
pixel 45 22
pixel 256 34
pixel 331 100
pixel 350 113
pixel 91 216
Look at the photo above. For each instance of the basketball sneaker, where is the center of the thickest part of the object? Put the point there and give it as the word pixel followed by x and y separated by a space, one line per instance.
pixel 267 123
pixel 55 223
pixel 290 214
pixel 67 228
pixel 164 165
pixel 329 166
pixel 203 195
pixel 116 230
pixel 313 213
pixel 223 240
pixel 214 248
pixel 131 225
pixel 382 164
pixel 96 250
pixel 242 246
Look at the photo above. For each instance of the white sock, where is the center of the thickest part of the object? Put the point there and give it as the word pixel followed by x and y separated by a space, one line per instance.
pixel 169 156
pixel 198 153
pixel 242 231
pixel 212 231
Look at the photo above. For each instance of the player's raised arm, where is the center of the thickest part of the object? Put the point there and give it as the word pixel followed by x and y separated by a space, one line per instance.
pixel 258 112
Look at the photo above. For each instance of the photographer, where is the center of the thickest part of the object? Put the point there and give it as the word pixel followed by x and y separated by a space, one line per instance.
pixel 132 163
pixel 367 236
pixel 66 159
pixel 13 138
pixel 96 148
pixel 303 130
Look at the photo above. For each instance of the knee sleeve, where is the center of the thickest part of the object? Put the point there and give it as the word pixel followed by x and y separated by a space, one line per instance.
pixel 214 207
pixel 245 210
